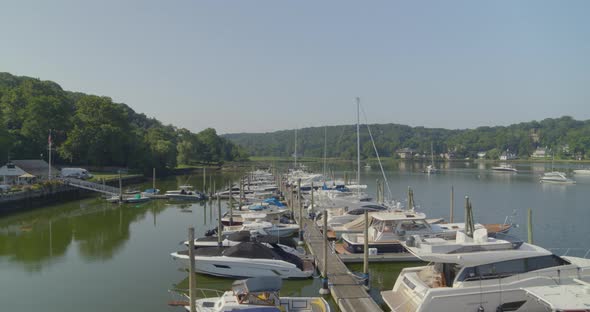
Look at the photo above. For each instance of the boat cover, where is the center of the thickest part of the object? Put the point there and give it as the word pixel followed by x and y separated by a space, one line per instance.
pixel 257 284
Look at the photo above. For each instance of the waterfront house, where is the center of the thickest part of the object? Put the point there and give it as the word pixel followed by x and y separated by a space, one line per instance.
pixel 539 153
pixel 36 167
pixel 11 173
pixel 507 155
pixel 405 153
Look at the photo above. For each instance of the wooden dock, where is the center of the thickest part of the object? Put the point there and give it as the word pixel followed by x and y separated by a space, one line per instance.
pixel 346 288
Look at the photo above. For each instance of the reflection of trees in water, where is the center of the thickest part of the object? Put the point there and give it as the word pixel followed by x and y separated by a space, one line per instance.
pixel 99 228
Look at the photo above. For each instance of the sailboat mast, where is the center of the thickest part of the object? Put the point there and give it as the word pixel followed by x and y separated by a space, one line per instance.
pixel 295 148
pixel 325 149
pixel 358 148
pixel 431 155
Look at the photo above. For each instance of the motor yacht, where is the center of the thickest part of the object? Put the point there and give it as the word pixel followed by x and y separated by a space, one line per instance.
pixel 479 273
pixel 504 168
pixel 247 259
pixel 259 294
pixel 185 192
pixel 556 177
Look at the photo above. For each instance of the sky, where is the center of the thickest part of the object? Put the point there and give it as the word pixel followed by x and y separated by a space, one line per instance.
pixel 258 66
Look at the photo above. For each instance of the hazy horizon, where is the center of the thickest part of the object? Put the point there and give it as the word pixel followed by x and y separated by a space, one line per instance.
pixel 263 66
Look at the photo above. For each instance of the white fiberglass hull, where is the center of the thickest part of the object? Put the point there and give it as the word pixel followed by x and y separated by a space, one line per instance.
pixel 242 267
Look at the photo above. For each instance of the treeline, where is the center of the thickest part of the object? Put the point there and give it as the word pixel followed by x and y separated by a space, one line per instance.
pixel 93 130
pixel 564 137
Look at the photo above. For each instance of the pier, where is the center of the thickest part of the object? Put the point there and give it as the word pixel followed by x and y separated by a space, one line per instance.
pixel 346 288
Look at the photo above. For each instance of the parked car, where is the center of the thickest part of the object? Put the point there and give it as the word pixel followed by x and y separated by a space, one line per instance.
pixel 78 173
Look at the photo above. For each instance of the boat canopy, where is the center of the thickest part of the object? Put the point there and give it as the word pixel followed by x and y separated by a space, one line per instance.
pixel 257 284
pixel 388 216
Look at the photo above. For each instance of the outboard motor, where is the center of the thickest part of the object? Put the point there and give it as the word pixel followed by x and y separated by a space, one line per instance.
pixel 211 232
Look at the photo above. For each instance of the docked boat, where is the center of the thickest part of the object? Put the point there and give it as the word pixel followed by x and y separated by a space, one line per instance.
pixel 479 273
pixel 504 168
pixel 260 294
pixel 150 192
pixel 559 298
pixel 229 240
pixel 354 210
pixel 388 230
pixel 185 192
pixel 247 259
pixel 556 177
pixel 582 171
pixel 135 199
pixel 263 227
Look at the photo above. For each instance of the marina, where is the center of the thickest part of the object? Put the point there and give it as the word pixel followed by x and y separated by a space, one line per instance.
pixel 162 224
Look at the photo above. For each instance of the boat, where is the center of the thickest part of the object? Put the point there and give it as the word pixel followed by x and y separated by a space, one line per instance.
pixel 430 169
pixel 504 168
pixel 582 171
pixel 150 192
pixel 185 192
pixel 259 294
pixel 387 231
pixel 478 273
pixel 229 240
pixel 137 198
pixel 263 227
pixel 559 298
pixel 556 177
pixel 247 259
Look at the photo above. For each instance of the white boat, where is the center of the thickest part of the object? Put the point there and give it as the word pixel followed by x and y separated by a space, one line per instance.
pixel 264 227
pixel 233 239
pixel 354 210
pixel 185 192
pixel 478 274
pixel 582 171
pixel 556 177
pixel 138 198
pixel 431 169
pixel 259 294
pixel 560 298
pixel 248 259
pixel 504 168
pixel 387 231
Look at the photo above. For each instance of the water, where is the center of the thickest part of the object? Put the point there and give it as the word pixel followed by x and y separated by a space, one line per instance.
pixel 93 256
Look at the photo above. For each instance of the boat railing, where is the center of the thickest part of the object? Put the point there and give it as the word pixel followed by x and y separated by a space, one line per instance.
pixel 571 251
pixel 200 293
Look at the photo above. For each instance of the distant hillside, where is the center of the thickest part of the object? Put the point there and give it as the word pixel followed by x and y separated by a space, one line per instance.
pixel 93 130
pixel 566 137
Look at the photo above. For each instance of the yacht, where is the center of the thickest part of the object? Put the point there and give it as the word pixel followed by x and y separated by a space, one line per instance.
pixel 387 231
pixel 556 177
pixel 431 169
pixel 247 259
pixel 263 227
pixel 582 171
pixel 340 216
pixel 259 294
pixel 504 168
pixel 479 273
pixel 233 239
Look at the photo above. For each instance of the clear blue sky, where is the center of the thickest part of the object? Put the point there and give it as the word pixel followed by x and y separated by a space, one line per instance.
pixel 253 66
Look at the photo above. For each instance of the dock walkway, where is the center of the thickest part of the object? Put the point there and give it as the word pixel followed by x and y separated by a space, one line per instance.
pixel 91 186
pixel 345 288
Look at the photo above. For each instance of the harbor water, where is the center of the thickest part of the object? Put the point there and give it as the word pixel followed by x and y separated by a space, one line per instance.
pixel 94 256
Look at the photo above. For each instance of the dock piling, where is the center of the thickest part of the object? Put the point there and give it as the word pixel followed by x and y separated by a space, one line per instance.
pixel 191 277
pixel 219 236
pixel 300 204
pixel 366 251
pixel 530 225
pixel 451 215
pixel 325 289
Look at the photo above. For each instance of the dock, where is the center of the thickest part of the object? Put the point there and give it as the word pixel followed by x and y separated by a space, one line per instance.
pixel 346 288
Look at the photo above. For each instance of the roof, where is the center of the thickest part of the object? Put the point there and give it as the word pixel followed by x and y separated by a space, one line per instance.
pixel 11 170
pixel 36 167
pixel 257 284
pixel 389 216
pixel 562 297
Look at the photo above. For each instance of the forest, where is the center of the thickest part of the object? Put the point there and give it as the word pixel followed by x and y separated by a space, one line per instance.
pixel 90 130
pixel 565 138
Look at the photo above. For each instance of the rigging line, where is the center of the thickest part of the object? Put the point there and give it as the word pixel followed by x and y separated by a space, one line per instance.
pixel 377 154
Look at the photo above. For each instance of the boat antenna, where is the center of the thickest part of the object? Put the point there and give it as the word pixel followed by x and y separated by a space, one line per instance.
pixel 358 148
pixel 377 154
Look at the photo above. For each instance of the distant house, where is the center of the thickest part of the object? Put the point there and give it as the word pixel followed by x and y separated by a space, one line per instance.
pixel 37 167
pixel 481 155
pixel 11 173
pixel 448 155
pixel 405 153
pixel 539 153
pixel 507 155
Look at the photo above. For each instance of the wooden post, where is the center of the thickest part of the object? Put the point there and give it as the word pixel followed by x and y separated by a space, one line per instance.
pixel 231 206
pixel 530 226
pixel 191 270
pixel 451 215
pixel 292 203
pixel 210 187
pixel 300 243
pixel 154 178
pixel 204 180
pixel 312 203
pixel 241 194
pixel 325 289
pixel 120 188
pixel 219 227
pixel 366 250
pixel 378 192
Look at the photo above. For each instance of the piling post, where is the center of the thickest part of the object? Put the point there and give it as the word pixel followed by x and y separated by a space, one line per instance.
pixel 154 178
pixel 120 188
pixel 300 243
pixel 210 188
pixel 530 225
pixel 378 192
pixel 219 230
pixel 292 203
pixel 451 215
pixel 241 194
pixel 191 271
pixel 366 250
pixel 325 289
pixel 312 203
pixel 231 206
pixel 204 180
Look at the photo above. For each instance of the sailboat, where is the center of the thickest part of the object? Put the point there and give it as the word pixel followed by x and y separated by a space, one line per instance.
pixel 430 169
